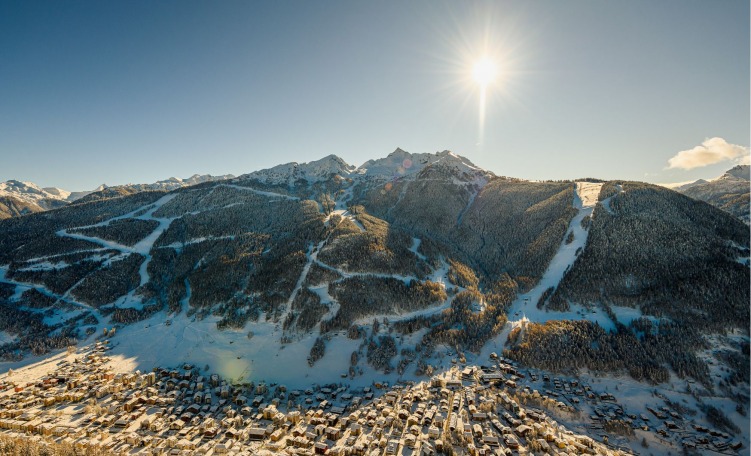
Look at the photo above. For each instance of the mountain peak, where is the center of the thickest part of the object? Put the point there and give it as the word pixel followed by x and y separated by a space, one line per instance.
pixel 29 192
pixel 738 172
pixel 401 163
pixel 314 171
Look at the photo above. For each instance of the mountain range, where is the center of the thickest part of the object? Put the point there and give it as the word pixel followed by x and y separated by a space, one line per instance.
pixel 730 192
pixel 396 267
pixel 21 198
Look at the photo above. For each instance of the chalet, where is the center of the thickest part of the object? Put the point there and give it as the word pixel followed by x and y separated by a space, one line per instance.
pixel 256 433
pixel 453 384
pixel 276 435
pixel 491 440
pixel 427 450
pixel 333 433
pixel 511 441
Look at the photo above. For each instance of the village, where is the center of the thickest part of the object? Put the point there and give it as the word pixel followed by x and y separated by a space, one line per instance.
pixel 467 410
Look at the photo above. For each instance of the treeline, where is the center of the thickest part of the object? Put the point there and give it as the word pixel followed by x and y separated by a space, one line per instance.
pixel 59 280
pixel 472 320
pixel 380 353
pixel 464 327
pixel 307 311
pixel 665 253
pixel 108 283
pixel 34 235
pixel 381 248
pixel 32 335
pixel 275 217
pixel 507 226
pixel 126 231
pixel 210 196
pixel 363 296
pixel 568 345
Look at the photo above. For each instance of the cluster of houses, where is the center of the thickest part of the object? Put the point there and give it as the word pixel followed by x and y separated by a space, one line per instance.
pixel 668 425
pixel 182 411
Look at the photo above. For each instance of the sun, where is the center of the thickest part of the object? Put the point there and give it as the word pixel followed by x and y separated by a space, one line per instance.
pixel 484 72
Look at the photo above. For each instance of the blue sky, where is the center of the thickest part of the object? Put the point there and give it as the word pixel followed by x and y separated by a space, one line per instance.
pixel 138 91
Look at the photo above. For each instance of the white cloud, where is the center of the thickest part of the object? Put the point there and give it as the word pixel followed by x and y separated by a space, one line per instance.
pixel 711 151
pixel 745 160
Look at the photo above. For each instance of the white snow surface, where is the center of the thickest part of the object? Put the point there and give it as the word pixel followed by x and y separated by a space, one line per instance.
pixel 32 193
pixel 401 163
pixel 396 165
pixel 314 171
pixel 734 174
pixel 524 308
pixel 414 248
pixel 261 192
pixel 585 200
pixel 230 352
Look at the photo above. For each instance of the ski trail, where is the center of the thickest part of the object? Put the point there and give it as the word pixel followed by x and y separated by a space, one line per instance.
pixel 312 255
pixel 472 197
pixel 103 242
pixel 21 287
pixel 416 245
pixel 378 275
pixel 57 255
pixel 340 208
pixel 185 302
pixel 260 192
pixel 345 214
pixel 181 245
pixel 142 247
pixel 606 201
pixel 585 200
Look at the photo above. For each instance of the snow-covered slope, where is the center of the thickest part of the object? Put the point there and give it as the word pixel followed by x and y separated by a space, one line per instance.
pixel 30 197
pixel 291 173
pixel 398 266
pixel 738 172
pixel 174 183
pixel 400 163
pixel 730 192
pixel 29 192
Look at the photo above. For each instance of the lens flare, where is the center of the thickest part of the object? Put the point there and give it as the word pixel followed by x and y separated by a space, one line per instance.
pixel 484 73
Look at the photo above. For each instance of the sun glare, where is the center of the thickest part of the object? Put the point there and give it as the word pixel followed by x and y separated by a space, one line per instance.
pixel 484 72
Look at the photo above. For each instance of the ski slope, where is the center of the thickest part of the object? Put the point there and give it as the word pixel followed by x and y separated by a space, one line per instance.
pixel 585 200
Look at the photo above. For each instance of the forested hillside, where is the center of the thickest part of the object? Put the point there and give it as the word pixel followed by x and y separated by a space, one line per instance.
pixel 414 255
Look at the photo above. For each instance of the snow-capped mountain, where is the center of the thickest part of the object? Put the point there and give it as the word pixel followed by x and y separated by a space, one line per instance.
pixel 398 268
pixel 174 183
pixel 311 172
pixel 397 165
pixel 738 172
pixel 20 198
pixel 32 193
pixel 730 192
pixel 400 164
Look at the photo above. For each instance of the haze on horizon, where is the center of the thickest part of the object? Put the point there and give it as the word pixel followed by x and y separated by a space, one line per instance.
pixel 136 92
